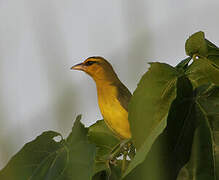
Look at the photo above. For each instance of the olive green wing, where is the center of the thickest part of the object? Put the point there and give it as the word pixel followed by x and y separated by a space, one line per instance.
pixel 123 95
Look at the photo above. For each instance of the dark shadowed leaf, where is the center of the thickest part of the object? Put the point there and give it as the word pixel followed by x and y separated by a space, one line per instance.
pixel 44 158
pixel 114 175
pixel 204 159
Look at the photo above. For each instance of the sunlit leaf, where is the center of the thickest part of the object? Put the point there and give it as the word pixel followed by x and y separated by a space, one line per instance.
pixel 205 66
pixel 196 44
pixel 149 108
pixel 171 149
pixel 203 71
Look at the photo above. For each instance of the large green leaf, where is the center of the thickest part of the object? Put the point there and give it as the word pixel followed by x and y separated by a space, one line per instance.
pixel 171 149
pixel 44 158
pixel 191 135
pixel 32 157
pixel 151 101
pixel 204 160
pixel 149 108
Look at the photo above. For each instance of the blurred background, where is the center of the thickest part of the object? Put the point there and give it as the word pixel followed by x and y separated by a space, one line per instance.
pixel 40 40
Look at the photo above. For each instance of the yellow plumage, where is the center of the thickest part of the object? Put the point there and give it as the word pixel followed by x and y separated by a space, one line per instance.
pixel 113 96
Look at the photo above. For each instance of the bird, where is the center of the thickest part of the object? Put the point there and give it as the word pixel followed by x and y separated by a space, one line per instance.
pixel 113 95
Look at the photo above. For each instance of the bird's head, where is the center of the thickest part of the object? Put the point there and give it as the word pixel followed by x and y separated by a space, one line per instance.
pixel 98 68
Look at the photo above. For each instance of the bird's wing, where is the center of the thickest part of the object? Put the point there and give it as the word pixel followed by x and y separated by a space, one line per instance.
pixel 123 95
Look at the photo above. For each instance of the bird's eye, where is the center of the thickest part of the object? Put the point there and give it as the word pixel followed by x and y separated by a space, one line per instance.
pixel 89 63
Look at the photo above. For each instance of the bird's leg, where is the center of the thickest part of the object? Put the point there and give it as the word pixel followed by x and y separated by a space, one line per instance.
pixel 124 161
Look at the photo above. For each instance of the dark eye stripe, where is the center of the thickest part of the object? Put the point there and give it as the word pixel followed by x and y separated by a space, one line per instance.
pixel 89 63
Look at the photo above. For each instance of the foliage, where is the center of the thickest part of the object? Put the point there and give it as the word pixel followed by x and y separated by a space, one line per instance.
pixel 44 158
pixel 174 119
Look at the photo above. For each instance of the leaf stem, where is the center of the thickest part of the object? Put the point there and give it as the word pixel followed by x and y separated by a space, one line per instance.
pixel 124 161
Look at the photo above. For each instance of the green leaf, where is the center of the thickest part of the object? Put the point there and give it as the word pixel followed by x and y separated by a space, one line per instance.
pixel 105 141
pixel 210 44
pixel 213 53
pixel 81 154
pixel 44 158
pixel 171 149
pixel 32 157
pixel 149 108
pixel 100 135
pixel 204 160
pixel 202 71
pixel 151 101
pixel 196 44
pixel 205 66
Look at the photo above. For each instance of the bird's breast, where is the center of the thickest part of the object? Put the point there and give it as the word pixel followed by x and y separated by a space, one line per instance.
pixel 115 116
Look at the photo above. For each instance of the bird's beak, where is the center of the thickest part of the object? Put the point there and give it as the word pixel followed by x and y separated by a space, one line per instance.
pixel 79 66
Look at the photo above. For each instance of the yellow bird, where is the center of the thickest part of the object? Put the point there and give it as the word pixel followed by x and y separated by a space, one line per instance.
pixel 113 96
